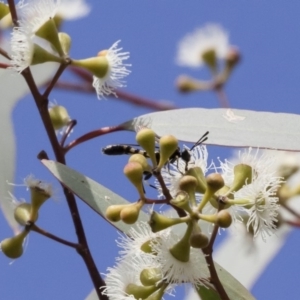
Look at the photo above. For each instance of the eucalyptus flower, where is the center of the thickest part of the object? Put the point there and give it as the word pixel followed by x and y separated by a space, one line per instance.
pixel 194 46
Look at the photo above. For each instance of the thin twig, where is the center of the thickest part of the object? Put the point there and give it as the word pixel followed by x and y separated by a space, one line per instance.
pixel 91 135
pixel 84 252
pixel 54 237
pixel 121 96
pixel 70 127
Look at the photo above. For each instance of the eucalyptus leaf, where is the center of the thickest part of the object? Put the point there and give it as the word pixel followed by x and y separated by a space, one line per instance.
pixel 91 192
pixel 13 88
pixel 227 127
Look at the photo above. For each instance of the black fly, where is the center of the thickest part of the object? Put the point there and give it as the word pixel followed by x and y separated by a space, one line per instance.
pixel 185 154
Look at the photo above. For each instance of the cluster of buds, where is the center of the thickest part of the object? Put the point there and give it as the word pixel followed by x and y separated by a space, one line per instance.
pixel 249 185
pixel 26 214
pixel 37 40
pixel 207 46
pixel 135 169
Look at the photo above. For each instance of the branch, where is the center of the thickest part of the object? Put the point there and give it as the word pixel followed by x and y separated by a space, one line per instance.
pixel 53 237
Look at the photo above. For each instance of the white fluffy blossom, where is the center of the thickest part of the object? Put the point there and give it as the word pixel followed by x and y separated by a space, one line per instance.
pixel 32 183
pixel 138 236
pixel 261 194
pixel 126 272
pixel 36 13
pixel 172 173
pixel 117 70
pixel 194 271
pixel 73 9
pixel 22 49
pixel 194 45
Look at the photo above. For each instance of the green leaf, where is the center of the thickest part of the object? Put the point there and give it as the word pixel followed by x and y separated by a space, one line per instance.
pixel 207 294
pixel 235 290
pixel 13 88
pixel 236 128
pixel 91 192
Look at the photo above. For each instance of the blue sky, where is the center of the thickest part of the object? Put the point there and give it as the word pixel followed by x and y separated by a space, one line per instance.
pixel 267 34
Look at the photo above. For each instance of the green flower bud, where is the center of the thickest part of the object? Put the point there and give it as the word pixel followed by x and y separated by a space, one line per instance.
pixel 214 183
pixel 186 84
pixel 197 173
pixel 146 247
pixel 48 31
pixel 98 66
pixel 182 201
pixel 160 222
pixel 224 218
pixel 40 56
pixel 210 58
pixel 134 172
pixel 199 240
pixel 4 10
pixel 242 175
pixel 113 212
pixel 140 292
pixel 141 159
pixel 168 144
pixel 150 276
pixel 188 184
pixel 65 41
pixel 22 213
pixel 130 213
pixel 13 247
pixel 181 250
pixel 158 295
pixel 146 139
pixel 40 192
pixel 59 116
